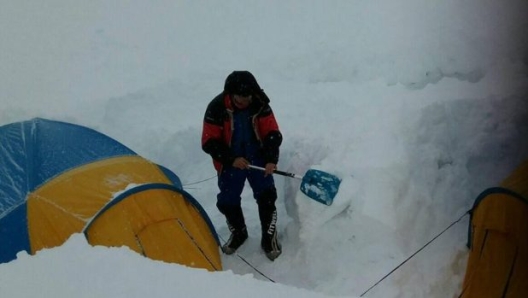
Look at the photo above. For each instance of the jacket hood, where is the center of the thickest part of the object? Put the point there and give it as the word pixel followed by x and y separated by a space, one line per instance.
pixel 242 82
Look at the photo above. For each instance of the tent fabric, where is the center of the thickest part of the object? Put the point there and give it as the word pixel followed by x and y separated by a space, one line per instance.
pixel 498 239
pixel 56 177
pixel 64 205
pixel 39 149
pixel 160 211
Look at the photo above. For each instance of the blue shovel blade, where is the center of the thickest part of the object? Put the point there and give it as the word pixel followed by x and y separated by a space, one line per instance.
pixel 320 186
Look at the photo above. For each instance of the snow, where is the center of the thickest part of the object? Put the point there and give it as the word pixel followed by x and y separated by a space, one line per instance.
pixel 417 106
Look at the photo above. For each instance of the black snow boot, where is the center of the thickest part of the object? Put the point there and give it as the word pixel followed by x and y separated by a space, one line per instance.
pixel 270 243
pixel 237 226
pixel 238 237
pixel 268 220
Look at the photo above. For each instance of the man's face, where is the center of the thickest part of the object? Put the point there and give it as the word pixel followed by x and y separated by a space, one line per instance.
pixel 242 102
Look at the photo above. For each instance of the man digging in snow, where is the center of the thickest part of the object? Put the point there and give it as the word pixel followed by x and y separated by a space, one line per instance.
pixel 239 130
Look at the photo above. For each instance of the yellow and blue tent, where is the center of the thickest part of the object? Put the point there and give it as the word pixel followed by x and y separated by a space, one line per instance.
pixel 57 179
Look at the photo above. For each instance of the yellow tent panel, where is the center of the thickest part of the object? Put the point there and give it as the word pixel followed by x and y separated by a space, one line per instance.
pixel 498 260
pixel 159 223
pixel 66 203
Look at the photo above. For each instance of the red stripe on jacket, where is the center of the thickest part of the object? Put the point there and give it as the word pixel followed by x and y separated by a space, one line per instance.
pixel 262 125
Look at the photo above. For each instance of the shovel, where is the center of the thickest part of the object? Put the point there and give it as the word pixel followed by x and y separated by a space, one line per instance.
pixel 317 185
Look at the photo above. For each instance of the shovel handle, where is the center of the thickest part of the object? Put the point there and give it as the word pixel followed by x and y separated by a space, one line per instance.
pixel 292 175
